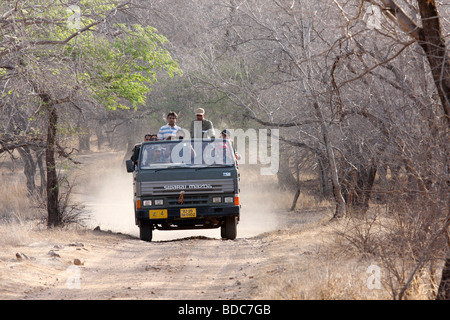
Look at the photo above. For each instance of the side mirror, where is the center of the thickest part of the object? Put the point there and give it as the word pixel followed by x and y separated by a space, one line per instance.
pixel 130 165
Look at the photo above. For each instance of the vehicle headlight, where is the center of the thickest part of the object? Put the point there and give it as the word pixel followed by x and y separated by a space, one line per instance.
pixel 147 203
pixel 159 202
pixel 217 199
pixel 229 199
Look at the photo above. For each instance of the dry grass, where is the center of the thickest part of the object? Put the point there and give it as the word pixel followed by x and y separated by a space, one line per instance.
pixel 356 258
pixel 316 269
pixel 399 245
pixel 14 201
pixel 327 261
pixel 14 234
pixel 17 205
pixel 26 233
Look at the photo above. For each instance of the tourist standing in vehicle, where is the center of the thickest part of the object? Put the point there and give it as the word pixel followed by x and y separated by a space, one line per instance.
pixel 137 148
pixel 201 127
pixel 170 128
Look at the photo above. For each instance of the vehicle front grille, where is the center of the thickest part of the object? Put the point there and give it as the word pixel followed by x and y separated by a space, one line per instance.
pixel 191 188
pixel 188 200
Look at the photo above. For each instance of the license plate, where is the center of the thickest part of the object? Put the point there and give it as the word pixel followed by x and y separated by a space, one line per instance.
pixel 158 214
pixel 188 213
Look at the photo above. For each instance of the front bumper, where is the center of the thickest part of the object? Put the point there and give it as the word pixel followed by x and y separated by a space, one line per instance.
pixel 202 214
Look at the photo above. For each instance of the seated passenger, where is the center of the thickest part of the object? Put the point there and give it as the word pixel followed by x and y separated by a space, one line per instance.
pixel 218 152
pixel 224 153
pixel 180 153
pixel 155 155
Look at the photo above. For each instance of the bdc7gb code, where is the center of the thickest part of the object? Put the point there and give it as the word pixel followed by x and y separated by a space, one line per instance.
pixel 246 309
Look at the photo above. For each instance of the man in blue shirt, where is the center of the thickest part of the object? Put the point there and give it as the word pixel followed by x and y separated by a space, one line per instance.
pixel 170 128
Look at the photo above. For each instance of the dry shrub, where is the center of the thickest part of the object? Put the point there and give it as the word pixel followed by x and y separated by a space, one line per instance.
pixel 71 211
pixel 361 233
pixel 412 248
pixel 17 205
pixel 404 238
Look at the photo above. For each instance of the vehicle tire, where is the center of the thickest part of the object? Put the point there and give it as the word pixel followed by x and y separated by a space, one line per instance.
pixel 145 230
pixel 229 229
pixel 223 233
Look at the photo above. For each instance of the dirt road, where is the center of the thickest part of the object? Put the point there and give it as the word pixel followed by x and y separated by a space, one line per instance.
pixel 198 268
pixel 37 263
pixel 104 265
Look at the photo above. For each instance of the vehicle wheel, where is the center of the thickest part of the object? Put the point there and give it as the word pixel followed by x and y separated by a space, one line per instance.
pixel 145 230
pixel 223 233
pixel 229 229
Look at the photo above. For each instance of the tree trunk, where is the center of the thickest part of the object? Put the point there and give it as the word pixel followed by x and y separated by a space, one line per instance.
pixel 84 143
pixel 42 172
pixel 362 186
pixel 294 201
pixel 101 139
pixel 366 186
pixel 286 180
pixel 337 191
pixel 433 43
pixel 29 168
pixel 54 217
pixel 297 193
pixel 444 286
pixel 325 190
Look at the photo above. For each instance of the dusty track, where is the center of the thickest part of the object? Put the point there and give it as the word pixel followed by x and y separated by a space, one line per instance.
pixel 120 266
pixel 197 268
pixel 116 266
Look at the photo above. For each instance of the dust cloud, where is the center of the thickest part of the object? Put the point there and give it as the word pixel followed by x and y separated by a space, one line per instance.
pixel 107 193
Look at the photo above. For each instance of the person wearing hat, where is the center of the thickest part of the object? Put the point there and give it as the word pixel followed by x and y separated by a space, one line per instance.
pixel 226 134
pixel 157 155
pixel 201 127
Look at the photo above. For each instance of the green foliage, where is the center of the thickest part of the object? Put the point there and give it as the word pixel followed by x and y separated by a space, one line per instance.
pixel 116 64
pixel 125 67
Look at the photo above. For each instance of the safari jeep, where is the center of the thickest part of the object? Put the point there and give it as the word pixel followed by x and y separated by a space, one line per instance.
pixel 185 184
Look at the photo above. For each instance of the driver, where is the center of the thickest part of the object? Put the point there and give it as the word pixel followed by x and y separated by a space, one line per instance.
pixel 156 155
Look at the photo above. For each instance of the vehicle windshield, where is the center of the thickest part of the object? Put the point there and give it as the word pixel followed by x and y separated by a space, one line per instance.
pixel 186 153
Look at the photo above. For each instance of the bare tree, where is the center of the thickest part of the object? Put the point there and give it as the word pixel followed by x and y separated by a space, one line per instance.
pixel 100 61
pixel 348 91
pixel 429 36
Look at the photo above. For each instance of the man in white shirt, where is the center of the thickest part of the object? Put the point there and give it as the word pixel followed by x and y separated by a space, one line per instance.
pixel 170 128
